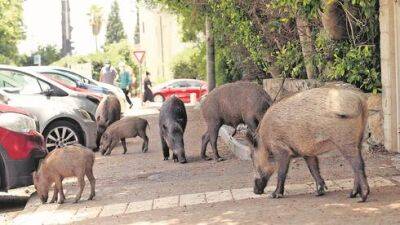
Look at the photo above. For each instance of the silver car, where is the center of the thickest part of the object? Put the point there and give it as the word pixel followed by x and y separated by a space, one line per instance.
pixel 65 116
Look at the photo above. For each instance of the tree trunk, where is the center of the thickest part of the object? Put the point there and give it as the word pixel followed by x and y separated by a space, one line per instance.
pixel 95 41
pixel 333 20
pixel 210 58
pixel 307 46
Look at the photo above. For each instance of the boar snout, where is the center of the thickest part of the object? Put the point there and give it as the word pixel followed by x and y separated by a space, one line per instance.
pixel 43 198
pixel 259 185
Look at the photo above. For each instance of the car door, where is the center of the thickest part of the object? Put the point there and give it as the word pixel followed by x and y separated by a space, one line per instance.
pixel 182 91
pixel 194 88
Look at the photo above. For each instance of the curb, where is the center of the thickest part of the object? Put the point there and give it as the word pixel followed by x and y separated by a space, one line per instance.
pixel 240 150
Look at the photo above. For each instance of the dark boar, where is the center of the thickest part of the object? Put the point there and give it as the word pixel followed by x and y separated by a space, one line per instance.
pixel 108 111
pixel 307 124
pixel 172 124
pixel 127 127
pixel 70 161
pixel 232 104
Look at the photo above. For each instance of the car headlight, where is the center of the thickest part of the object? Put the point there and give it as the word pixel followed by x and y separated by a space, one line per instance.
pixel 17 122
pixel 84 114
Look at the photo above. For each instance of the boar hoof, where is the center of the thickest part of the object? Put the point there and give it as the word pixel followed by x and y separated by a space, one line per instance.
pixel 176 160
pixel 258 191
pixel 206 158
pixel 145 150
pixel 219 159
pixel 60 201
pixel 276 195
pixel 321 190
pixel 166 158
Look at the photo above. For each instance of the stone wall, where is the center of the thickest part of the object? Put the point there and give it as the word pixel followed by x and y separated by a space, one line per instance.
pixel 374 135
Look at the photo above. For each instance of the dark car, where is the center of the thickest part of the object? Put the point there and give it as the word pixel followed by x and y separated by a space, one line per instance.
pixel 21 148
pixel 181 88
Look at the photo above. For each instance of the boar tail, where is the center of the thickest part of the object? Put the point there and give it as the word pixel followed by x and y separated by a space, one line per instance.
pixel 364 120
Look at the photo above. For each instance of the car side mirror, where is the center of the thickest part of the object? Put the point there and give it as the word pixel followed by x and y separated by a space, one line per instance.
pixel 80 84
pixel 49 92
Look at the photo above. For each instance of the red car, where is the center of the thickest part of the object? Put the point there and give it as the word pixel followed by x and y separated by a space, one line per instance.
pixel 182 88
pixel 21 148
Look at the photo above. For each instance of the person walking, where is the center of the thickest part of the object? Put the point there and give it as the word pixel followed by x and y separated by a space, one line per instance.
pixel 148 94
pixel 125 81
pixel 108 73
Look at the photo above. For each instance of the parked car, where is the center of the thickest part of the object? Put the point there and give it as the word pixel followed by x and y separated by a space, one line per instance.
pixel 21 147
pixel 182 88
pixel 69 80
pixel 65 116
pixel 84 79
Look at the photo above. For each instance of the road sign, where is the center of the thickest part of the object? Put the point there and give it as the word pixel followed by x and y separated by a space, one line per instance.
pixel 139 55
pixel 37 59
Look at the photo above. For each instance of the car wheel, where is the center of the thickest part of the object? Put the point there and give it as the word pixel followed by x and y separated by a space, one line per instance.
pixel 60 134
pixel 159 98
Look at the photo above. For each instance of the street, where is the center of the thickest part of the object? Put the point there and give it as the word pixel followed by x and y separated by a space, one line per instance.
pixel 141 188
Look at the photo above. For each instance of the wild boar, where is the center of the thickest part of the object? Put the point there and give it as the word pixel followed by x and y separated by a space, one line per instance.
pixel 70 161
pixel 127 127
pixel 172 122
pixel 232 104
pixel 306 125
pixel 108 111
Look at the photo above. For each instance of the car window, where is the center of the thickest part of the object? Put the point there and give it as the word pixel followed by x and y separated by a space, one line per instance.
pixel 179 84
pixel 195 84
pixel 27 84
pixel 61 79
pixel 44 86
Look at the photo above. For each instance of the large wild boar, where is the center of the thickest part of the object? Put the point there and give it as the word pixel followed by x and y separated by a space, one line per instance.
pixel 305 125
pixel 108 111
pixel 127 127
pixel 70 161
pixel 172 124
pixel 232 104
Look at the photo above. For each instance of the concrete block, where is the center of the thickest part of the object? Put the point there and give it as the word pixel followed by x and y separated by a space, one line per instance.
pixel 141 206
pixel 87 213
pixel 167 202
pixel 219 196
pixel 192 199
pixel 245 193
pixel 113 210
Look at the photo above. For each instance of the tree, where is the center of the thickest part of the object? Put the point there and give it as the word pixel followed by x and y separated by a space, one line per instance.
pixel 11 30
pixel 96 20
pixel 48 53
pixel 115 29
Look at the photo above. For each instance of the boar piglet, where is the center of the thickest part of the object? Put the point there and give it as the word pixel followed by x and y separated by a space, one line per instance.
pixel 306 125
pixel 127 127
pixel 108 111
pixel 172 124
pixel 232 104
pixel 70 161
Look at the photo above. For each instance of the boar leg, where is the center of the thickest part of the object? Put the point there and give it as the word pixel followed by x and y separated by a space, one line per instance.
pixel 165 148
pixel 204 142
pixel 145 146
pixel 313 166
pixel 92 181
pixel 264 169
pixel 213 132
pixel 283 160
pixel 55 195
pixel 123 141
pixel 111 147
pixel 81 184
pixel 360 180
pixel 58 185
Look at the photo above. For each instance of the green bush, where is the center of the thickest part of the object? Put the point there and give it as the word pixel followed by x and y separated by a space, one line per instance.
pixel 191 64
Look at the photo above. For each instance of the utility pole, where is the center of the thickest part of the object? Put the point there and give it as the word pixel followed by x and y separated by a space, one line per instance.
pixel 210 55
pixel 66 29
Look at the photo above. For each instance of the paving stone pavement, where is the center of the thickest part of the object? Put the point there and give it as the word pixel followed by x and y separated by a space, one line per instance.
pixel 56 214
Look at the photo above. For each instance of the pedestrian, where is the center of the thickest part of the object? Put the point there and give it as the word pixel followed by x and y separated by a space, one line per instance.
pixel 125 81
pixel 148 94
pixel 108 73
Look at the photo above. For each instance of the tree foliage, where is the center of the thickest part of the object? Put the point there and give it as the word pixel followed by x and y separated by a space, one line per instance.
pixel 49 54
pixel 262 37
pixel 115 29
pixel 11 30
pixel 95 20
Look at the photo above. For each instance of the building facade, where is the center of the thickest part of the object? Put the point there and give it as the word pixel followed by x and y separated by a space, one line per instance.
pixel 389 18
pixel 160 38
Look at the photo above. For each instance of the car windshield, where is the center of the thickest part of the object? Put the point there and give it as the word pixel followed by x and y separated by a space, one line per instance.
pixel 60 78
